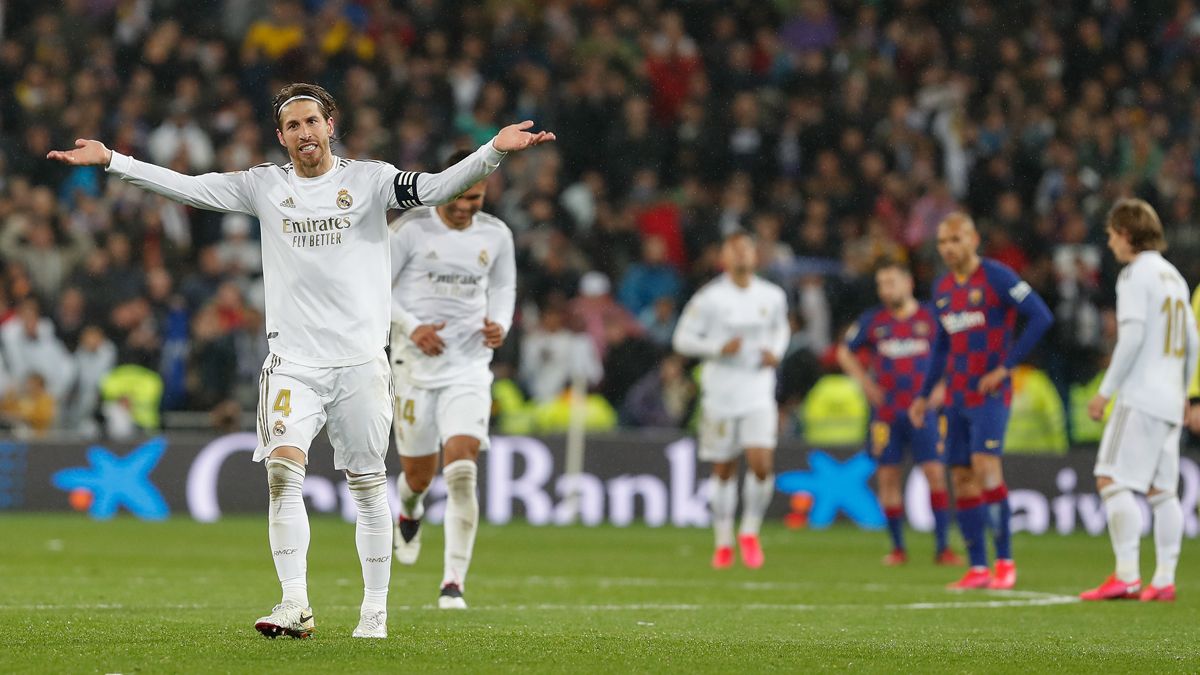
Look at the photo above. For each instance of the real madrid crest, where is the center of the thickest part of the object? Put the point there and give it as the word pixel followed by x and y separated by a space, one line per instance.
pixel 344 200
pixel 975 296
pixel 483 258
pixel 279 428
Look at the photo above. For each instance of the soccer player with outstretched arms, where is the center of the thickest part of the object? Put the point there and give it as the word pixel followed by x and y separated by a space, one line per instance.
pixel 327 272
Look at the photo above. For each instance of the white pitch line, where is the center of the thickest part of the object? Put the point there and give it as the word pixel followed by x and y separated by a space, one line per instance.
pixel 996 600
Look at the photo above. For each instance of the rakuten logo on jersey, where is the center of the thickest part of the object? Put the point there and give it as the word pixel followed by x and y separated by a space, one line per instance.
pixel 901 348
pixel 957 322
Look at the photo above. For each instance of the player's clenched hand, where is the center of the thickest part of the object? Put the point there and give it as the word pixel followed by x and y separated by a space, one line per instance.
pixel 516 137
pixel 769 360
pixel 426 338
pixel 86 153
pixel 1096 407
pixel 1193 418
pixel 916 411
pixel 731 347
pixel 493 334
pixel 992 381
pixel 875 394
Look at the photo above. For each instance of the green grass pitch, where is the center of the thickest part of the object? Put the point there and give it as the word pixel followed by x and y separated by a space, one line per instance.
pixel 125 596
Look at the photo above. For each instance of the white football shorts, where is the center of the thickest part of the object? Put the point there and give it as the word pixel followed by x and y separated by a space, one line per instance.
pixel 1139 451
pixel 722 439
pixel 425 419
pixel 352 403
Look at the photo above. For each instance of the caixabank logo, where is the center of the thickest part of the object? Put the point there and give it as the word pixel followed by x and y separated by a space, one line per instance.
pixel 110 482
pixel 834 487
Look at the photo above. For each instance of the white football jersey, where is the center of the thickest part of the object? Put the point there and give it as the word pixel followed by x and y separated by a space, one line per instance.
pixel 326 259
pixel 736 384
pixel 1151 291
pixel 455 276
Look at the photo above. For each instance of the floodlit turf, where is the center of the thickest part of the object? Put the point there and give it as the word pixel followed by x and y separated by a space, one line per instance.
pixel 126 596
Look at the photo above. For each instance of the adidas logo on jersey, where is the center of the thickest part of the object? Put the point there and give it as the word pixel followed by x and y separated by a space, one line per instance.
pixel 288 203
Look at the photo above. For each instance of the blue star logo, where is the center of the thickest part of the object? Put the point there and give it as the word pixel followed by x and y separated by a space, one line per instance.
pixel 836 486
pixel 111 482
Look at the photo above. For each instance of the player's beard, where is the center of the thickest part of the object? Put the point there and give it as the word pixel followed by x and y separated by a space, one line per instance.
pixel 313 160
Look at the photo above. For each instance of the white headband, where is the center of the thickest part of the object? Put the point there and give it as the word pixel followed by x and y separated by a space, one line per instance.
pixel 296 98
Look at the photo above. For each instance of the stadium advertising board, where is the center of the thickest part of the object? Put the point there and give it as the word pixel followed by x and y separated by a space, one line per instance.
pixel 628 478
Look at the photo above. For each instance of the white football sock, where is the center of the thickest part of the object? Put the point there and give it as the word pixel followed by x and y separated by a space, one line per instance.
pixel 287 528
pixel 756 497
pixel 1124 529
pixel 462 519
pixel 412 504
pixel 722 501
pixel 373 535
pixel 1168 536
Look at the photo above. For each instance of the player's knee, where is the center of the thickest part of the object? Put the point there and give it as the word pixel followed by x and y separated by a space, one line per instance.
pixel 418 481
pixel 459 448
pixel 723 470
pixel 289 453
pixel 935 475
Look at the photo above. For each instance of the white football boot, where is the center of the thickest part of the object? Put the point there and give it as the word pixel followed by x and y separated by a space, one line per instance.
pixel 451 597
pixel 291 620
pixel 406 540
pixel 372 623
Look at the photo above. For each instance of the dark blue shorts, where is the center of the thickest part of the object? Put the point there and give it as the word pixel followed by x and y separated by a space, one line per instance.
pixel 887 442
pixel 966 431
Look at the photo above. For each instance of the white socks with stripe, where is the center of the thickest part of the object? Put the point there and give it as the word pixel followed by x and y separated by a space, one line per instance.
pixel 1168 536
pixel 412 504
pixel 722 501
pixel 462 519
pixel 373 535
pixel 1124 529
pixel 287 528
pixel 756 497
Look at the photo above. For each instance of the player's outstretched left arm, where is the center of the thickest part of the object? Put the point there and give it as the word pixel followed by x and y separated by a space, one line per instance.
pixel 432 189
pixel 227 192
pixel 1038 317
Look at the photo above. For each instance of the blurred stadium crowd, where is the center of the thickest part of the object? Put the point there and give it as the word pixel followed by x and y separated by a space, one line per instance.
pixel 837 132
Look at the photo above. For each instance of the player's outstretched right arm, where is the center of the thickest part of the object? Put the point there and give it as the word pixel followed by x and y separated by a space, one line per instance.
pixel 228 192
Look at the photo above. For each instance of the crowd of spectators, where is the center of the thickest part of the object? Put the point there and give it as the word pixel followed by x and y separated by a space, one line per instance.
pixel 837 131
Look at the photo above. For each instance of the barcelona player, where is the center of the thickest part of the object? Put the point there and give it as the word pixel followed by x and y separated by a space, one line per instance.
pixel 977 303
pixel 897 338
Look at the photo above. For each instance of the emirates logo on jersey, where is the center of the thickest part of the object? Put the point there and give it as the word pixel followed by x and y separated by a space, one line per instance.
pixel 344 200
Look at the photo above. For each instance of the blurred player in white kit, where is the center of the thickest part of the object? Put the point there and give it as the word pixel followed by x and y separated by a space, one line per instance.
pixel 1152 364
pixel 326 266
pixel 453 291
pixel 738 325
